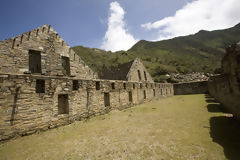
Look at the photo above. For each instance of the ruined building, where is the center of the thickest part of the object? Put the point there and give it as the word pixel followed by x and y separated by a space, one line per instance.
pixel 42 52
pixel 131 71
pixel 226 87
pixel 44 84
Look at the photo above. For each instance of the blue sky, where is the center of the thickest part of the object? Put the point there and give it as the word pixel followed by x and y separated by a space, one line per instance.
pixel 115 25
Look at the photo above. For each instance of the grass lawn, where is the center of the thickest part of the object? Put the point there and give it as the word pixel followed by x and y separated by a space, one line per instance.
pixel 180 127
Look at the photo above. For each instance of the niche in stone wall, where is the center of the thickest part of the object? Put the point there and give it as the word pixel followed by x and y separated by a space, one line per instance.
pixel 97 85
pixel 144 94
pixel 130 96
pixel 124 86
pixel 134 86
pixel 75 85
pixel 29 35
pixel 35 61
pixel 145 75
pixel 40 86
pixel 65 66
pixel 37 32
pixel 106 99
pixel 139 75
pixel 154 92
pixel 63 106
pixel 113 85
pixel 13 43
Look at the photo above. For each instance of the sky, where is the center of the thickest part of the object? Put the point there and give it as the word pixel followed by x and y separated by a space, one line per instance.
pixel 117 24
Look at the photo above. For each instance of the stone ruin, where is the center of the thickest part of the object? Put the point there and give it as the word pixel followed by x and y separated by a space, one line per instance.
pixel 131 71
pixel 45 84
pixel 225 88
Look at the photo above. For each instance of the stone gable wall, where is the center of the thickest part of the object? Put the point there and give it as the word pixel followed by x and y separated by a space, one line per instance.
pixel 23 111
pixel 133 73
pixel 14 54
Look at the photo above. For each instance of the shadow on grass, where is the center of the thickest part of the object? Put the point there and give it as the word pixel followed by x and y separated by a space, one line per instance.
pixel 216 107
pixel 210 99
pixel 226 132
pixel 208 96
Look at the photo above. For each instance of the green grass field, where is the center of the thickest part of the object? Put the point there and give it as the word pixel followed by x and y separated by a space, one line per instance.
pixel 180 127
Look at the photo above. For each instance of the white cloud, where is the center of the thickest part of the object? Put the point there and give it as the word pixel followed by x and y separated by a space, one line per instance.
pixel 117 37
pixel 198 15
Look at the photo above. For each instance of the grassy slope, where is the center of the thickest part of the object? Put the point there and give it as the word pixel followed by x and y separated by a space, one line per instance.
pixel 97 58
pixel 180 127
pixel 200 52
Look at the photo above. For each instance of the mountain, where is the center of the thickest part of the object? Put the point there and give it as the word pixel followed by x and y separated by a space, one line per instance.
pixel 200 52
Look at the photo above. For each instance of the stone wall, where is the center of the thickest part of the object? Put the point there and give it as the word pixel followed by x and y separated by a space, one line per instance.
pixel 222 88
pixel 62 100
pixel 133 74
pixel 14 54
pixel 190 88
pixel 225 88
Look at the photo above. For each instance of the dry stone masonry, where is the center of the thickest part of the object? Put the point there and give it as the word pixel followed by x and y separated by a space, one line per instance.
pixel 226 87
pixel 42 51
pixel 198 87
pixel 44 84
pixel 131 71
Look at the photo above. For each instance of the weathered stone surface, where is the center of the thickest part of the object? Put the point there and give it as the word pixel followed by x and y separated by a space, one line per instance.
pixel 24 111
pixel 190 88
pixel 131 71
pixel 226 87
pixel 14 57
pixel 32 102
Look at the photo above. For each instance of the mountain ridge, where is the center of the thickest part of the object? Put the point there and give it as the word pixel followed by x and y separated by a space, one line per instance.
pixel 200 52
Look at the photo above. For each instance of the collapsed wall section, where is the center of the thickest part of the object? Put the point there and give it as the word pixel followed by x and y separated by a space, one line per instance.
pixel 30 103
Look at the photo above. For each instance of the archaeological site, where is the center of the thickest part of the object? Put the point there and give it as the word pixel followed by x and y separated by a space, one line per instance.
pixel 225 88
pixel 44 84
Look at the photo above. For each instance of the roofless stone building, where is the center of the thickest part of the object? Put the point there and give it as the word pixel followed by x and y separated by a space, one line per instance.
pixel 44 84
pixel 42 52
pixel 131 71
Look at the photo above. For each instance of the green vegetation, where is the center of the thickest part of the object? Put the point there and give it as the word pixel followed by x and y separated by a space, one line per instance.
pixel 179 127
pixel 201 52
